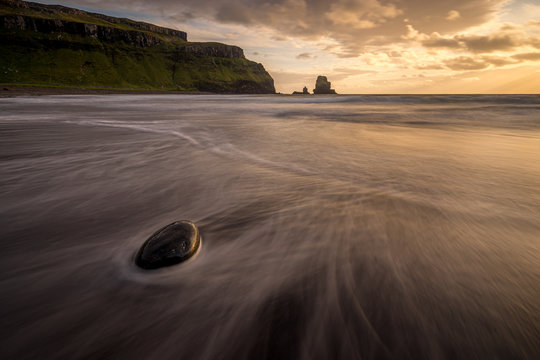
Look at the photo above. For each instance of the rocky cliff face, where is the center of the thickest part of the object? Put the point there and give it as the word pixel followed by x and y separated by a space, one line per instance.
pixel 54 10
pixel 112 34
pixel 102 33
pixel 46 19
pixel 214 49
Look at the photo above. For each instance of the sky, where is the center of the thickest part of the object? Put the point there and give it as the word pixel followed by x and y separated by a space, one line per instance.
pixel 364 46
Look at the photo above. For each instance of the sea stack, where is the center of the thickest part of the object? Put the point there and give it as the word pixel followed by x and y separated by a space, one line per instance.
pixel 322 86
pixel 170 245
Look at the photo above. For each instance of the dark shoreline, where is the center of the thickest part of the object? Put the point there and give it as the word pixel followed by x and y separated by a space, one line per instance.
pixel 11 91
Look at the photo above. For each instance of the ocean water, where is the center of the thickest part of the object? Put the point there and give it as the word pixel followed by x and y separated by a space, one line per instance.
pixel 339 227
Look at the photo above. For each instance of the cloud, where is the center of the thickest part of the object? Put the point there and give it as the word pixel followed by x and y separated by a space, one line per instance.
pixel 535 56
pixel 453 15
pixel 462 63
pixel 465 63
pixel 394 54
pixel 498 60
pixel 338 74
pixel 436 41
pixel 353 24
pixel 490 43
pixel 429 67
pixel 507 37
pixel 305 56
pixel 359 15
pixel 279 38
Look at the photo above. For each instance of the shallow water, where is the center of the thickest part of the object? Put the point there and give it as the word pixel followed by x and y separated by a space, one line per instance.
pixel 337 227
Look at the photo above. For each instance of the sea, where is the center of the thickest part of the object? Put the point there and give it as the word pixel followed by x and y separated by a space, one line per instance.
pixel 333 227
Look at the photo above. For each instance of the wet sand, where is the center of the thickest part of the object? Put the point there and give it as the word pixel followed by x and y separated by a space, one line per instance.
pixel 339 227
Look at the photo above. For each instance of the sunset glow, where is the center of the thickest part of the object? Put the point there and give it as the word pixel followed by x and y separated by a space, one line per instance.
pixel 270 179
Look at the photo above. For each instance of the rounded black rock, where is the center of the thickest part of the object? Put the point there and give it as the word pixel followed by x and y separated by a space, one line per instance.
pixel 170 245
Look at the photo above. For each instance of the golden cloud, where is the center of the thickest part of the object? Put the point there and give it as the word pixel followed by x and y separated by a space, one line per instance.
pixel 353 24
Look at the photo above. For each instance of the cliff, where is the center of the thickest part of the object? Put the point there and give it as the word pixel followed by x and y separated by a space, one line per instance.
pixel 51 45
pixel 21 15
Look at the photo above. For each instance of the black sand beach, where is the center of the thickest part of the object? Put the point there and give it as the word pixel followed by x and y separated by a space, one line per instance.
pixel 339 227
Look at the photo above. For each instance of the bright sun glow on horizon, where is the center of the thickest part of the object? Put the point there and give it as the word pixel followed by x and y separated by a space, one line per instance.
pixel 365 46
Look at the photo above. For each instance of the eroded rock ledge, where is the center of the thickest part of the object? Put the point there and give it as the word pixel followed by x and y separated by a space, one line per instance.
pixel 54 10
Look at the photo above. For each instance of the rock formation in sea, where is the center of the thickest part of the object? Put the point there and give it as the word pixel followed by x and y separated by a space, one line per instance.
pixel 323 86
pixel 304 92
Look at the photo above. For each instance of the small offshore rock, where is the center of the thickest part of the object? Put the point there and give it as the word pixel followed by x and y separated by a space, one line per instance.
pixel 170 245
pixel 304 92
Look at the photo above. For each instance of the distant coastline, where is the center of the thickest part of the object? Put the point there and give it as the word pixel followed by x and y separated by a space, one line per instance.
pixel 32 90
pixel 9 90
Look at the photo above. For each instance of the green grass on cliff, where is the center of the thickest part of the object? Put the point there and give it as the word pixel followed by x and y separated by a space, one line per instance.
pixel 64 60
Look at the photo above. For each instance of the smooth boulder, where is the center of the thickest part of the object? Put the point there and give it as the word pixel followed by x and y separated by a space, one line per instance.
pixel 170 245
